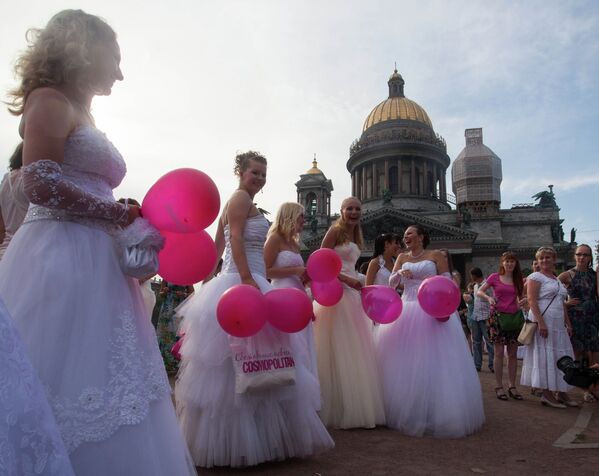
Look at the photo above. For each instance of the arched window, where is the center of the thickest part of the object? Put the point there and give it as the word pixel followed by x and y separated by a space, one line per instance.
pixel 311 204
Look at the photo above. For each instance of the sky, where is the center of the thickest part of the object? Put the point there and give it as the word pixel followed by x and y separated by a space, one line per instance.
pixel 207 79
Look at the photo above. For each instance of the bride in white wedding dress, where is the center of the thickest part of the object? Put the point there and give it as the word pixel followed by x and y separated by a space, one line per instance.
pixel 82 321
pixel 30 442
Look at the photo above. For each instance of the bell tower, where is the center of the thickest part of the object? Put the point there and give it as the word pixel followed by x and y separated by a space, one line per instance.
pixel 314 193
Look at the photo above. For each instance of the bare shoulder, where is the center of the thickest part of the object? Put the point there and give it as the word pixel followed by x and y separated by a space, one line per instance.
pixel 565 277
pixel 330 238
pixel 48 109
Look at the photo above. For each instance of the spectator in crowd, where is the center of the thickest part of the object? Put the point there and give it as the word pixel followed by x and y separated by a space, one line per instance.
pixel 479 322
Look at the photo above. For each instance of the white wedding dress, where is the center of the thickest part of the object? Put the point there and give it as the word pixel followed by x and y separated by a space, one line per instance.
pixel 302 341
pixel 430 384
pixel 352 396
pixel 223 428
pixel 83 322
pixel 30 441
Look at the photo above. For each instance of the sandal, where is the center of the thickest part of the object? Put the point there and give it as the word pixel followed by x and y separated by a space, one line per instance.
pixel 500 393
pixel 515 395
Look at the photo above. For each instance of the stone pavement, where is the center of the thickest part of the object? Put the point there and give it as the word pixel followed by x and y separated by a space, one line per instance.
pixel 519 437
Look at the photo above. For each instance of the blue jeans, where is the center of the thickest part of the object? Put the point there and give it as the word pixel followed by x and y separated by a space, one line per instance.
pixel 480 333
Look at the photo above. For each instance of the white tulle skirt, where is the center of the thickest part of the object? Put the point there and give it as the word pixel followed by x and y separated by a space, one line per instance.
pixel 223 428
pixel 349 378
pixel 88 336
pixel 430 383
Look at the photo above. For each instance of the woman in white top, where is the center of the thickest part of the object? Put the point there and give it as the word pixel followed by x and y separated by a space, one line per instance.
pixel 13 201
pixel 386 248
pixel 546 296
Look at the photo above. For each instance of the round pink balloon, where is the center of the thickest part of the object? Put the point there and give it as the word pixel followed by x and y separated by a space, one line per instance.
pixel 242 310
pixel 327 293
pixel 323 265
pixel 182 201
pixel 289 309
pixel 439 296
pixel 381 303
pixel 186 258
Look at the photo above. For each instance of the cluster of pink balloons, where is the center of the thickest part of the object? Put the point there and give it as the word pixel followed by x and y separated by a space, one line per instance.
pixel 381 303
pixel 439 297
pixel 323 268
pixel 243 310
pixel 180 205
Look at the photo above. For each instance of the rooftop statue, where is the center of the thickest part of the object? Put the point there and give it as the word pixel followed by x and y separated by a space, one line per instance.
pixel 546 198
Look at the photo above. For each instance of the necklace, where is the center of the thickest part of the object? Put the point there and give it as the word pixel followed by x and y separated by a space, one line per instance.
pixel 412 255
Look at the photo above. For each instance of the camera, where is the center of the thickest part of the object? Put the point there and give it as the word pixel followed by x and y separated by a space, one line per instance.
pixel 577 373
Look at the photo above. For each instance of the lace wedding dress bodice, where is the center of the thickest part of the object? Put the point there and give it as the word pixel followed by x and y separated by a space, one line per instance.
pixel 79 189
pixel 254 236
pixel 420 271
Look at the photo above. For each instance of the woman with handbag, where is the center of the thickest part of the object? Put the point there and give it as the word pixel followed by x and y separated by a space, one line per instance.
pixel 506 319
pixel 546 296
pixel 285 267
pixel 224 423
pixel 82 320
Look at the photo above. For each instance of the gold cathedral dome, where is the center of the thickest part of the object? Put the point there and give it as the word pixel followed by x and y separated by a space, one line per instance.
pixel 396 106
pixel 314 170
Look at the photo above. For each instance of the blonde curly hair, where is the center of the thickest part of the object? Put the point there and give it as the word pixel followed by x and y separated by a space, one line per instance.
pixel 286 220
pixel 59 54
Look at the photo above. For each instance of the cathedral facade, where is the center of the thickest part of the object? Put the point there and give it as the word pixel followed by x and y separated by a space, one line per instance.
pixel 398 169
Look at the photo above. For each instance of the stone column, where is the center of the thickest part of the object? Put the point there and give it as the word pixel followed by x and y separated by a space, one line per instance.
pixel 412 177
pixel 399 189
pixel 386 174
pixel 364 186
pixel 425 190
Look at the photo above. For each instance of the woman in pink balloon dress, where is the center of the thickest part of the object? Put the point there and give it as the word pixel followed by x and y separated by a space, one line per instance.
pixel 349 377
pixel 430 384
pixel 223 425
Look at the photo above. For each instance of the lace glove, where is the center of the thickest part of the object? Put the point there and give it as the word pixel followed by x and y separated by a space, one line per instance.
pixel 395 279
pixel 45 185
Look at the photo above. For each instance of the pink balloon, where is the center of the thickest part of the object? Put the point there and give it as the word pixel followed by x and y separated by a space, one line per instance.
pixel 327 293
pixel 186 258
pixel 439 296
pixel 182 201
pixel 242 310
pixel 381 303
pixel 323 265
pixel 289 309
pixel 443 319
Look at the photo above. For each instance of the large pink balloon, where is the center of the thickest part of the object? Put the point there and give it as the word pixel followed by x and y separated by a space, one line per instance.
pixel 242 310
pixel 381 303
pixel 186 258
pixel 328 293
pixel 289 309
pixel 323 265
pixel 439 296
pixel 182 201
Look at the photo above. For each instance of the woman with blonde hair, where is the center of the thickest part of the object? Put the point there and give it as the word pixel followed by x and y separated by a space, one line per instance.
pixel 285 267
pixel 93 347
pixel 225 425
pixel 508 298
pixel 546 296
pixel 349 378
